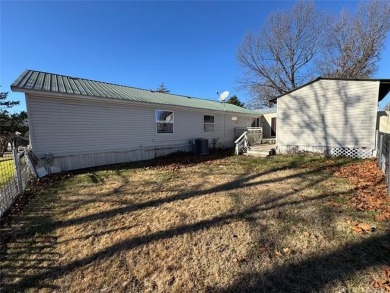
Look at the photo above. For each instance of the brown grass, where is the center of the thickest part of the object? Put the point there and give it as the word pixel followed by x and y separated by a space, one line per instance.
pixel 227 224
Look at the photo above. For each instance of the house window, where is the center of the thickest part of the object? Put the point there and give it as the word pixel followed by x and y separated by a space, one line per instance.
pixel 208 123
pixel 234 119
pixel 164 121
pixel 255 122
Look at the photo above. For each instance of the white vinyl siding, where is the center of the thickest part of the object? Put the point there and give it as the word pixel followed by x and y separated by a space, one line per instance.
pixel 329 113
pixel 66 127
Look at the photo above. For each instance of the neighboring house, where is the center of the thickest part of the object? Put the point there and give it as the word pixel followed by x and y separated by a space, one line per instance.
pixel 329 115
pixel 86 123
pixel 268 122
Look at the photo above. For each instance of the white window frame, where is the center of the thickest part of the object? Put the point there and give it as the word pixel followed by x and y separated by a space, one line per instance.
pixel 160 121
pixel 208 123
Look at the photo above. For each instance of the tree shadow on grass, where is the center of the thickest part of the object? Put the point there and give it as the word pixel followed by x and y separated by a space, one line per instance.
pixel 128 244
pixel 180 158
pixel 236 184
pixel 53 272
pixel 315 273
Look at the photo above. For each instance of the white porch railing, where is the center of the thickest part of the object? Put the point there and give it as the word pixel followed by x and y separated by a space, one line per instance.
pixel 241 143
pixel 247 136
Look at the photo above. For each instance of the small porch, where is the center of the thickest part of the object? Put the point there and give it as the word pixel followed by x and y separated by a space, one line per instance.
pixel 249 141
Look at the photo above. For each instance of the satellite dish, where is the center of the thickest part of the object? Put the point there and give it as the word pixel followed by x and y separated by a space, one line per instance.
pixel 223 96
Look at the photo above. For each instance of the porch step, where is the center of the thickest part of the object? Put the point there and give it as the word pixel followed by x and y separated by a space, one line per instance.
pixel 262 154
pixel 262 150
pixel 268 141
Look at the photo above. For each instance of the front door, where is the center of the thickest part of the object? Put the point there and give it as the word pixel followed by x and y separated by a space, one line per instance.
pixel 273 126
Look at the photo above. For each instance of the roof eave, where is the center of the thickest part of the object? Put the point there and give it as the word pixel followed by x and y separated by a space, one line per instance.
pixel 94 98
pixel 17 89
pixel 381 80
pixel 274 100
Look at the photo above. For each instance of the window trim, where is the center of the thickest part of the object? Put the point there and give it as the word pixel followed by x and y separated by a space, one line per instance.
pixel 157 121
pixel 204 123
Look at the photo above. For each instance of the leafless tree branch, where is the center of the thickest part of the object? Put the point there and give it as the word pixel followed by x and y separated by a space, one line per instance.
pixel 294 47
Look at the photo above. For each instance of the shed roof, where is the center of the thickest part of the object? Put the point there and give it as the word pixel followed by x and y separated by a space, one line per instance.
pixel 43 82
pixel 384 86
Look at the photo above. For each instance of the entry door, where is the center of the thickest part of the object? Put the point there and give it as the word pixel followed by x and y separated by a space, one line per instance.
pixel 273 126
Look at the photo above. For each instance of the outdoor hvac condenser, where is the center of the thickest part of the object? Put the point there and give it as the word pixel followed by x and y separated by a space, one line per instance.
pixel 201 146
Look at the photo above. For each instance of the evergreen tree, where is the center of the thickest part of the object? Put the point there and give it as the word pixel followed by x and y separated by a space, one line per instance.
pixel 163 89
pixel 235 101
pixel 10 123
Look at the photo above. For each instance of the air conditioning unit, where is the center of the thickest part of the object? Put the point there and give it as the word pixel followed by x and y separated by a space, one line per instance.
pixel 201 146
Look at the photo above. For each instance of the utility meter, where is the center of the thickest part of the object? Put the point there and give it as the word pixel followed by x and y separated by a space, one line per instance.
pixel 49 158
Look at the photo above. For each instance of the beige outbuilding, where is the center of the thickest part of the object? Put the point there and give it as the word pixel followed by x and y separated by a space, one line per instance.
pixel 329 115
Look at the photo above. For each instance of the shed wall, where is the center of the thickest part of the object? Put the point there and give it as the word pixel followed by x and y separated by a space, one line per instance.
pixel 84 134
pixel 383 123
pixel 329 113
pixel 267 124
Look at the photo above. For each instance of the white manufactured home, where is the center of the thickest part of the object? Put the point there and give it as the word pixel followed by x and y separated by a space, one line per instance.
pixel 329 115
pixel 85 123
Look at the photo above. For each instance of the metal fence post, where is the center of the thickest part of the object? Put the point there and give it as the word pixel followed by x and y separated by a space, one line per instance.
pixel 18 170
pixel 377 133
pixel 380 151
pixel 388 170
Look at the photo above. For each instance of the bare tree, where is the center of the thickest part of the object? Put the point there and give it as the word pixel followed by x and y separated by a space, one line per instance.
pixel 297 46
pixel 356 40
pixel 281 57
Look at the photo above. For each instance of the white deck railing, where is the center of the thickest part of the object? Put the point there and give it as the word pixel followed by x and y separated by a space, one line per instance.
pixel 248 136
pixel 241 143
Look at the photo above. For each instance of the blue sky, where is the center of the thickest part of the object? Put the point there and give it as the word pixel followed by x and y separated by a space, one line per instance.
pixel 190 46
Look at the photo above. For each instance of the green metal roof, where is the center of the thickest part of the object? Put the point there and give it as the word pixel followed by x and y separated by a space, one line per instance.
pixel 31 80
pixel 266 111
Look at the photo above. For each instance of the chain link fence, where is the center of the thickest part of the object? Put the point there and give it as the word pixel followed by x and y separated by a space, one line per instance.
pixel 383 156
pixel 15 173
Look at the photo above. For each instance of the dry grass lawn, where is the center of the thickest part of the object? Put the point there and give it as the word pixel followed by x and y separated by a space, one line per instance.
pixel 216 224
pixel 7 171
